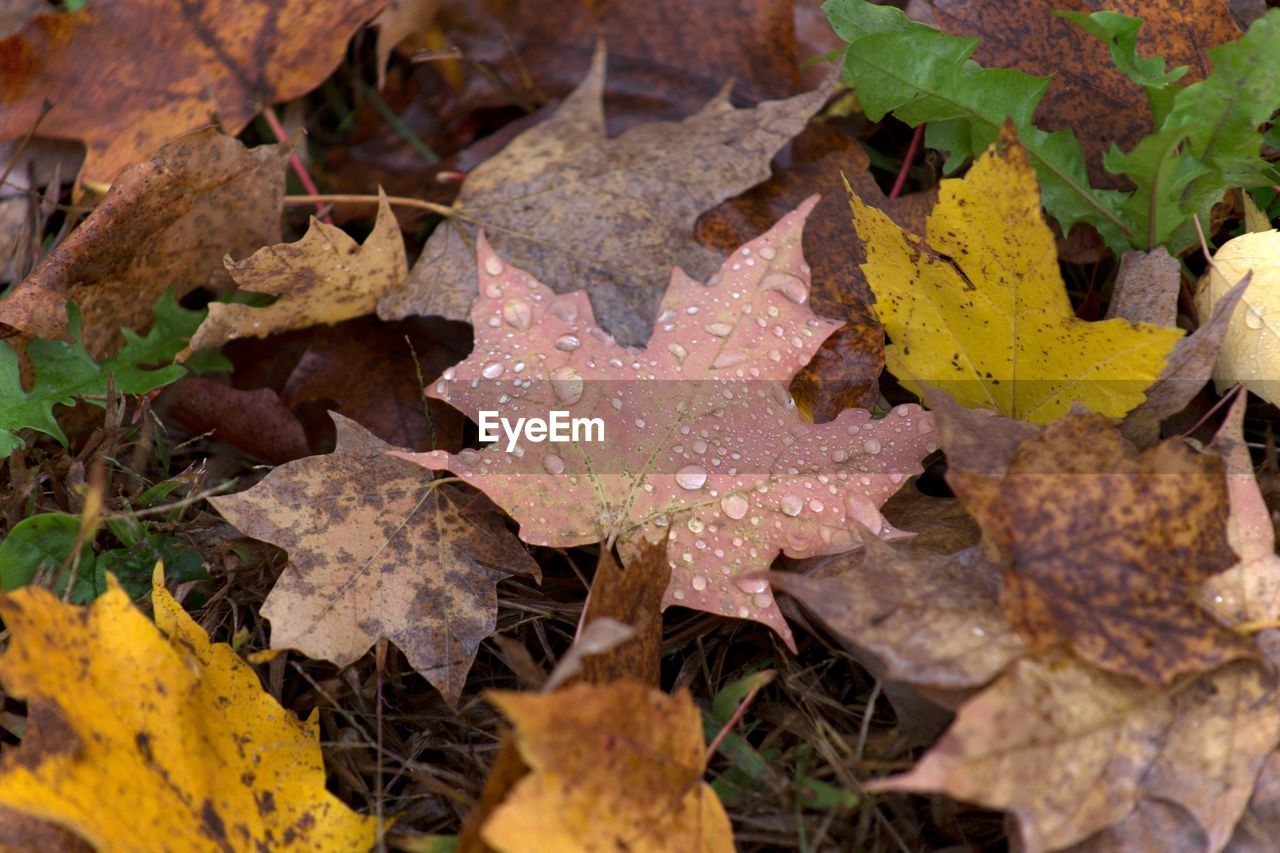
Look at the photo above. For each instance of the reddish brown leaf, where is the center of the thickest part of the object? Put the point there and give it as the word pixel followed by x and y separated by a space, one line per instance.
pixel 128 77
pixel 666 57
pixel 166 223
pixel 253 421
pixel 1088 95
pixel 633 596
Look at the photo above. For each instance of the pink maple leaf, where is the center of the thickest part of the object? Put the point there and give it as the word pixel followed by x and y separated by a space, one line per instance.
pixel 702 441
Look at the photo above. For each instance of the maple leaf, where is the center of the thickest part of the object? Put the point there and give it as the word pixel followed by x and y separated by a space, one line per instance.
pixel 701 444
pixel 979 309
pixel 1123 597
pixel 212 61
pixel 142 733
pixel 613 767
pixel 1070 750
pixel 165 224
pixel 377 551
pixel 323 278
pixel 846 371
pixel 562 186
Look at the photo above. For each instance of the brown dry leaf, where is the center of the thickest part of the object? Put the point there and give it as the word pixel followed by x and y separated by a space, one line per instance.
pixel 376 551
pixel 1146 288
pixel 166 223
pixel 334 369
pixel 609 216
pixel 1070 750
pixel 632 596
pixel 215 62
pixel 666 56
pixel 1123 594
pixel 932 620
pixel 613 767
pixel 1089 95
pixel 148 736
pixel 324 278
pixel 846 370
pixel 400 20
pixel 253 421
pixel 1189 368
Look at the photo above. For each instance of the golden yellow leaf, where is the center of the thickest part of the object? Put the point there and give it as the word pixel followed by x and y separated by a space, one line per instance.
pixel 1251 349
pixel 158 739
pixel 978 307
pixel 613 767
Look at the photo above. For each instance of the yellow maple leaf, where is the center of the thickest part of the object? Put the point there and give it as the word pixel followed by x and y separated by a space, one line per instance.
pixel 978 308
pixel 613 767
pixel 146 739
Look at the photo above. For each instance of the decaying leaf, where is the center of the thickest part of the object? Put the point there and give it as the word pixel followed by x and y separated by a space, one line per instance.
pixel 324 278
pixel 158 736
pixel 214 62
pixel 1188 369
pixel 1146 288
pixel 666 57
pixel 1251 350
pixel 166 223
pixel 978 306
pixel 933 620
pixel 400 20
pixel 632 596
pixel 1124 595
pixel 700 442
pixel 609 216
pixel 1089 95
pixel 1070 750
pixel 376 551
pixel 613 767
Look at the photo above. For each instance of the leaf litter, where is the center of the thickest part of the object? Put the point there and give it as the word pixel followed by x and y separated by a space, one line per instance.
pixel 1096 606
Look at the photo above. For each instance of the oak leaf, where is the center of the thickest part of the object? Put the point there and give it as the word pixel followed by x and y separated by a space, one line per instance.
pixel 613 767
pixel 151 734
pixel 701 442
pixel 324 278
pixel 1251 349
pixel 611 216
pixel 204 63
pixel 166 223
pixel 377 551
pixel 978 307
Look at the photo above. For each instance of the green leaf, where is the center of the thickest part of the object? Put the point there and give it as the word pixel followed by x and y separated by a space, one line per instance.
pixel 43 544
pixel 65 372
pixel 1120 34
pixel 921 75
pixel 1208 142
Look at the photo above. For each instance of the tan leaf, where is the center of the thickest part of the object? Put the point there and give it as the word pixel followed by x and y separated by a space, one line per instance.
pixel 613 767
pixel 128 77
pixel 933 620
pixel 375 551
pixel 609 216
pixel 324 278
pixel 166 223
pixel 1070 749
